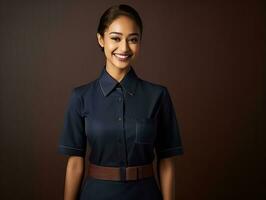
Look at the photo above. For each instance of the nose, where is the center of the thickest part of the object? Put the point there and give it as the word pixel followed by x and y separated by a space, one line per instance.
pixel 124 46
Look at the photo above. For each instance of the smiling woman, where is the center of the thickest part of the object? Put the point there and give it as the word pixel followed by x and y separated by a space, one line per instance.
pixel 120 42
pixel 123 118
pixel 119 35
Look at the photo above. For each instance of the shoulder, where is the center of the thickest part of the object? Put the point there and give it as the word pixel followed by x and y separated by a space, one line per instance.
pixel 82 89
pixel 154 87
pixel 157 91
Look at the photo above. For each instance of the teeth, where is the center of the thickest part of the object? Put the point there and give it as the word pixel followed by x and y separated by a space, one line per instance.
pixel 121 56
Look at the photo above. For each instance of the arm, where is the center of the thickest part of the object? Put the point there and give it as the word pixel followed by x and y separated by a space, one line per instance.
pixel 167 178
pixel 74 176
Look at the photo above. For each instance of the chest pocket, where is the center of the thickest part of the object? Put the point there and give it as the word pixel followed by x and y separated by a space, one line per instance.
pixel 145 130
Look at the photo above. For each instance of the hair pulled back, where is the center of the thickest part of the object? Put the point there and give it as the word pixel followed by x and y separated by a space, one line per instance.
pixel 113 13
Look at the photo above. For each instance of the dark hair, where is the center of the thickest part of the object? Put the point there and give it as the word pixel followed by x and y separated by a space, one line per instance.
pixel 113 13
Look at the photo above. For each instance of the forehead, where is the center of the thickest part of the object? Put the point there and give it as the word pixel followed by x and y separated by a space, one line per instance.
pixel 123 24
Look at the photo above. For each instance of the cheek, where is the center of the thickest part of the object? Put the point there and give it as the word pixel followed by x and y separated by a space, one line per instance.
pixel 136 49
pixel 112 45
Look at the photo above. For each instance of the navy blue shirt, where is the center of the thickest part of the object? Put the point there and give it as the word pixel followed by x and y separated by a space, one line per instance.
pixel 122 122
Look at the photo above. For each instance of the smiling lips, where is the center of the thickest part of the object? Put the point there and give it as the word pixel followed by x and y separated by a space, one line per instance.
pixel 122 57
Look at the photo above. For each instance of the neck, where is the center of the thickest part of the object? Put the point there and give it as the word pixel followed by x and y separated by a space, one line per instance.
pixel 117 73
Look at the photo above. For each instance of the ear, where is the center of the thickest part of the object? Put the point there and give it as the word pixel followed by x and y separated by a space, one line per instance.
pixel 100 40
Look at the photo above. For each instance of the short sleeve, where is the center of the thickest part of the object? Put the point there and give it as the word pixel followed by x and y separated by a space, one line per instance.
pixel 168 140
pixel 72 140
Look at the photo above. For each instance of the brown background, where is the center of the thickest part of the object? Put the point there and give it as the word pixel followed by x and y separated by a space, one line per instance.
pixel 210 54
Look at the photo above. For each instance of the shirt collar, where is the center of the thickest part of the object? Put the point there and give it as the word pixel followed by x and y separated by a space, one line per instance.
pixel 108 83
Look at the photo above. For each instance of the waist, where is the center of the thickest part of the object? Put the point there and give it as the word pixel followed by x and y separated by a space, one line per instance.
pixel 121 173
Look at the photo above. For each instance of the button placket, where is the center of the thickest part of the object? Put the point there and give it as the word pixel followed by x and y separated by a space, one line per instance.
pixel 120 118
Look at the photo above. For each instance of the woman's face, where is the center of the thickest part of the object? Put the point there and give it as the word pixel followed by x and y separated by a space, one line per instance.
pixel 121 42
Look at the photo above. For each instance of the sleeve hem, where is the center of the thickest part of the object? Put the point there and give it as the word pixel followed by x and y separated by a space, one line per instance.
pixel 170 152
pixel 71 151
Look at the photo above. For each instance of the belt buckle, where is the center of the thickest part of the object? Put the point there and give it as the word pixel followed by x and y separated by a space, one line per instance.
pixel 123 173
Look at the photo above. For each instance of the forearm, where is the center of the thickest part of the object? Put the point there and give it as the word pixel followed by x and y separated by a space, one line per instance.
pixel 167 178
pixel 73 180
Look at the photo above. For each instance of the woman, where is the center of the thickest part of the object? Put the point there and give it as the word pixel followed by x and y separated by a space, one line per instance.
pixel 123 119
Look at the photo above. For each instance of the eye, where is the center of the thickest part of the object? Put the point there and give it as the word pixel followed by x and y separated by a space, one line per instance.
pixel 134 40
pixel 115 39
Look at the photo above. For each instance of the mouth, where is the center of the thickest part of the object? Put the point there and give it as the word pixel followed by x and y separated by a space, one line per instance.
pixel 122 57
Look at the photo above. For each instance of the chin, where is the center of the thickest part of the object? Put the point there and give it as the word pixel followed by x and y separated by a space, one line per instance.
pixel 122 65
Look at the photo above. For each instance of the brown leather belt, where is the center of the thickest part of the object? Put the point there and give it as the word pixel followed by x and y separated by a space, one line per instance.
pixel 120 173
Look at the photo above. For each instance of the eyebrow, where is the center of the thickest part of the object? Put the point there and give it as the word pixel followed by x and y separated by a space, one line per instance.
pixel 122 34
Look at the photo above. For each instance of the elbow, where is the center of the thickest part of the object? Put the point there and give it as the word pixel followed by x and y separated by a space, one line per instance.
pixel 75 164
pixel 167 164
pixel 166 168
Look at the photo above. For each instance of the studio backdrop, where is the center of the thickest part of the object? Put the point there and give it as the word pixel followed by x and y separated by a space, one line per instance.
pixel 209 54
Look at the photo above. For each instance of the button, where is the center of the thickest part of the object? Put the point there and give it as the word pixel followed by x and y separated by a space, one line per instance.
pixel 118 86
pixel 119 118
pixel 119 99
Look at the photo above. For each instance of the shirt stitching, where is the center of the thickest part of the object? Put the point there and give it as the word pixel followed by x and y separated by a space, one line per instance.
pixel 71 147
pixel 102 90
pixel 161 102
